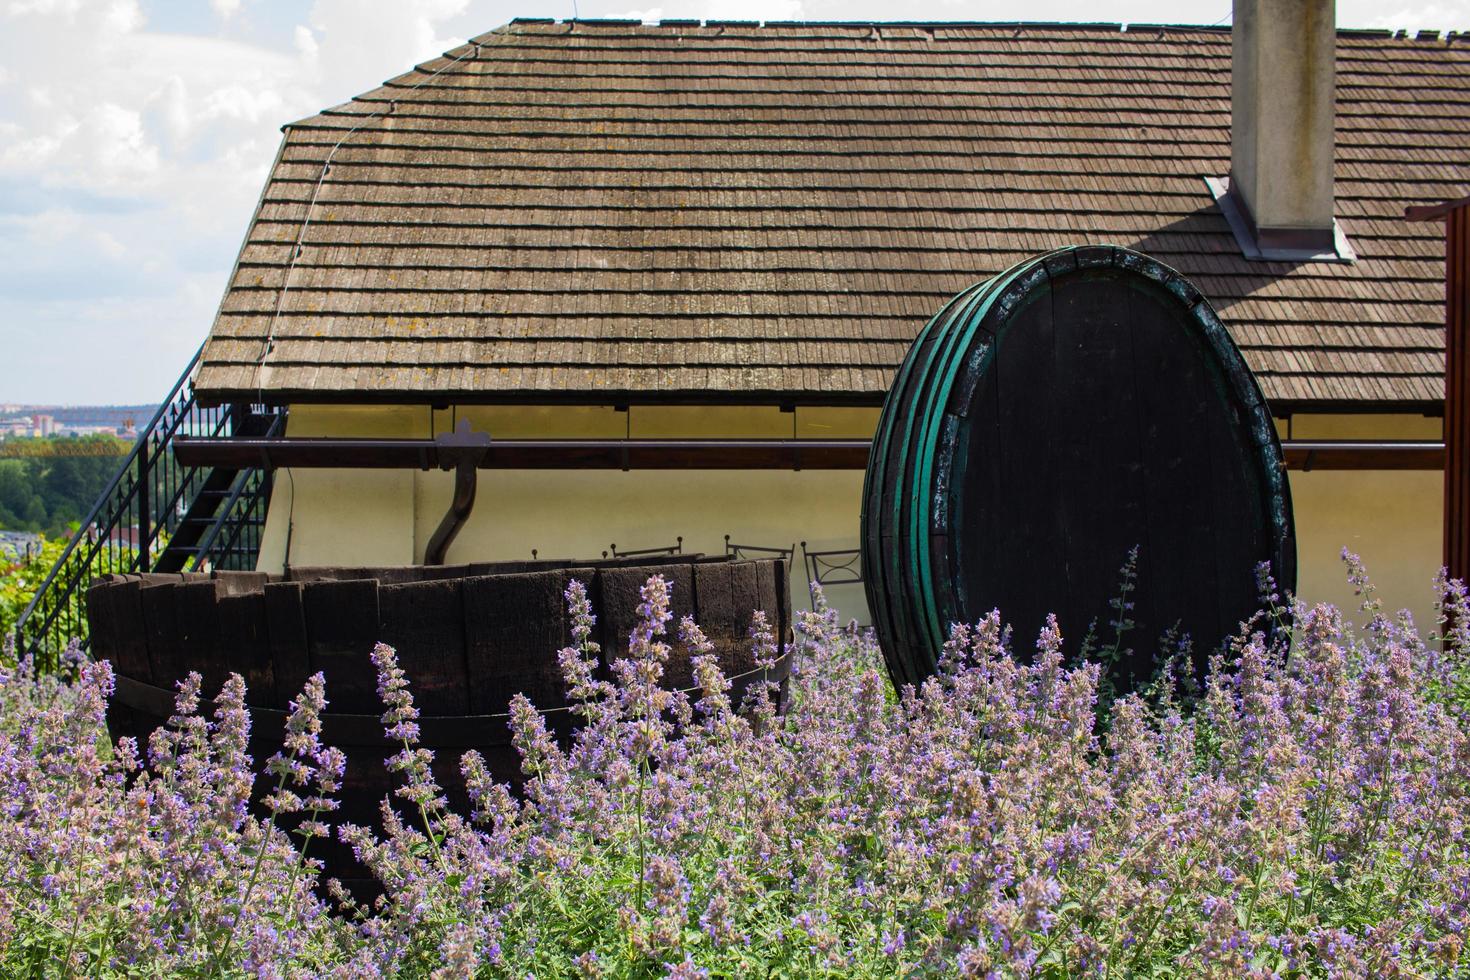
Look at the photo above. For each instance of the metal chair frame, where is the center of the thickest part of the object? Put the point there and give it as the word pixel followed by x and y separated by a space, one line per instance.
pixel 677 548
pixel 738 551
pixel 842 566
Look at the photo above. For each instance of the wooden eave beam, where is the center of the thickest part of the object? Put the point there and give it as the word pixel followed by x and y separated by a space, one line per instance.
pixel 693 454
pixel 1434 212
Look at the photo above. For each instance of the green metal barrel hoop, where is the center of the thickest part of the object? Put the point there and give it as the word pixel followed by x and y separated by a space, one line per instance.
pixel 898 476
pixel 873 518
pixel 930 410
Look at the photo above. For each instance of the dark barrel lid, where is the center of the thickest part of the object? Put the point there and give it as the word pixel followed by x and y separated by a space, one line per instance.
pixel 1046 422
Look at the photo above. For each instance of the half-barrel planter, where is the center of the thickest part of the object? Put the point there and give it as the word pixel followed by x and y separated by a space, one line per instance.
pixel 468 637
pixel 1046 422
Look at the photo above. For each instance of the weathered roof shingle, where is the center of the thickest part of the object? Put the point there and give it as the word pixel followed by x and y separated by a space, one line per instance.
pixel 600 209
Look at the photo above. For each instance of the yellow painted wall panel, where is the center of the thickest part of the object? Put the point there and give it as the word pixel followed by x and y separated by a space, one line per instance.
pixel 1392 519
pixel 339 517
pixel 1367 426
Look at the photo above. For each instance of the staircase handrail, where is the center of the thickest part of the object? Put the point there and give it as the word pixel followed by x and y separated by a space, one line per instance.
pixel 104 498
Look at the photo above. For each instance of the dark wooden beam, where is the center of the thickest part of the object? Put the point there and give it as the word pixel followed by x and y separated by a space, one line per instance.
pixel 1347 454
pixel 1456 217
pixel 531 454
pixel 687 454
pixel 1434 212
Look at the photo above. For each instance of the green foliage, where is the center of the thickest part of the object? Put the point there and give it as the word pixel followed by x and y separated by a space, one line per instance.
pixel 20 580
pixel 49 485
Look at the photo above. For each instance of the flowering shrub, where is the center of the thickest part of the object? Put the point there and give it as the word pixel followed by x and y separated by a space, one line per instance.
pixel 1306 816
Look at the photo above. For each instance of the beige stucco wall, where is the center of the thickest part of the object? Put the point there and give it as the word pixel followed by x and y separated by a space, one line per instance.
pixel 1392 519
pixel 371 517
pixel 345 517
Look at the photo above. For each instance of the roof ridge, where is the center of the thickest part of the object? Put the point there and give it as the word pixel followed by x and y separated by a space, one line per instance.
pixel 1120 27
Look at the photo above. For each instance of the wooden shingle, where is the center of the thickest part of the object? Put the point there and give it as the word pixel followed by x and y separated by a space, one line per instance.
pixel 621 211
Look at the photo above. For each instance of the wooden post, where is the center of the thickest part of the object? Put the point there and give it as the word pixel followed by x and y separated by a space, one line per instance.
pixel 1456 216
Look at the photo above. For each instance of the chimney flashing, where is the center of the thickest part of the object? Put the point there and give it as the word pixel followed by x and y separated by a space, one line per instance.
pixel 1278 244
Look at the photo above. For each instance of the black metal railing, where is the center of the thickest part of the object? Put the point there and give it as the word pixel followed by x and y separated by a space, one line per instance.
pixel 233 544
pixel 157 515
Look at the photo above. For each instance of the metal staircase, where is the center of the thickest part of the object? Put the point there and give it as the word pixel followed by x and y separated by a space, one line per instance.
pixel 157 515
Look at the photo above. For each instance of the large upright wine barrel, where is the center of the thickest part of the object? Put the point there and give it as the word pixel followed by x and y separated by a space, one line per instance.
pixel 469 638
pixel 1043 424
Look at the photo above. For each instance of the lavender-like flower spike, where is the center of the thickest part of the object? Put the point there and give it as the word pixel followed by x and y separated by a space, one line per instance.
pixel 763 641
pixel 583 621
pixel 1363 587
pixel 685 969
pixel 1454 612
pixel 1306 817
pixel 653 618
pixel 299 763
pixel 401 717
pixel 579 662
pixel 229 740
pixel 400 724
pixel 714 699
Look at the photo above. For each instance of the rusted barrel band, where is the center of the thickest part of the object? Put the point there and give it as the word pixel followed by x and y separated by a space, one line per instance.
pixel 435 731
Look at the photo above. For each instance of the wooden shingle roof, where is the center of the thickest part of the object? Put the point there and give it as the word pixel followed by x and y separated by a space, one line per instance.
pixel 599 211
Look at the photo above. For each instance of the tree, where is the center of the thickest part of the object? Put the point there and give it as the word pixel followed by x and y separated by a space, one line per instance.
pixel 53 484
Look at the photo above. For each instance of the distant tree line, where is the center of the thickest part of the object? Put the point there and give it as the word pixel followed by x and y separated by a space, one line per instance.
pixel 52 492
pixel 98 444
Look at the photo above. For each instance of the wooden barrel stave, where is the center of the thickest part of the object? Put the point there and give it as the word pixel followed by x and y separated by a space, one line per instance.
pixel 244 646
pixel 964 337
pixel 425 621
pixel 285 632
pixel 914 631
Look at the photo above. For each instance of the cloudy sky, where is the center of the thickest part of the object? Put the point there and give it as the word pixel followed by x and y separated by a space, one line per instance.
pixel 135 137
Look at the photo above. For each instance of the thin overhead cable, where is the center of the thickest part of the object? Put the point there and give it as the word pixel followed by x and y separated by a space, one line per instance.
pixel 298 246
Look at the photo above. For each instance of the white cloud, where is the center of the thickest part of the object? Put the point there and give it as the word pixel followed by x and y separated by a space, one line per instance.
pixel 122 16
pixel 650 16
pixel 131 159
pixel 305 41
pixel 753 10
pixel 44 7
pixel 1422 16
pixel 377 39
